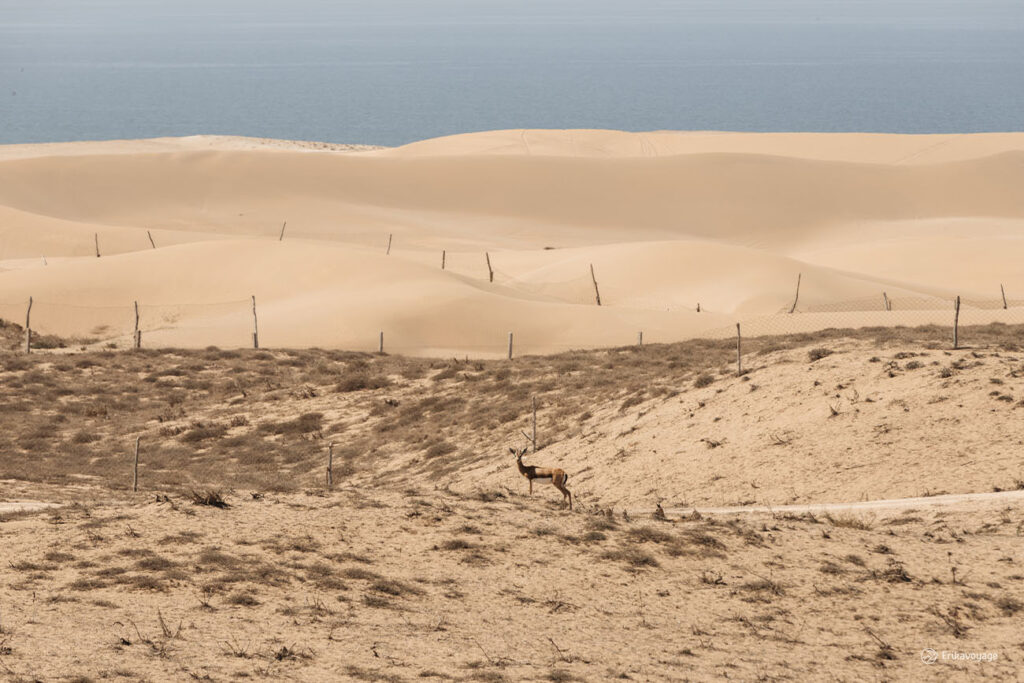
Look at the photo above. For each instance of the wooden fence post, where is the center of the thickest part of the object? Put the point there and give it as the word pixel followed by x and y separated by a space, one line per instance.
pixel 510 346
pixel 956 325
pixel 281 238
pixel 885 300
pixel 534 440
pixel 388 252
pixel 136 333
pixel 597 292
pixel 330 464
pixel 698 307
pixel 151 242
pixel 28 327
pixel 640 338
pixel 797 297
pixel 490 271
pixel 135 469
pixel 739 353
pixel 255 325
pixel 443 256
pixel 1003 292
pixel 96 237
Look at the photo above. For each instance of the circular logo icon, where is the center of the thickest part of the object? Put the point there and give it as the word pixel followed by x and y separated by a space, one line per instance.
pixel 929 656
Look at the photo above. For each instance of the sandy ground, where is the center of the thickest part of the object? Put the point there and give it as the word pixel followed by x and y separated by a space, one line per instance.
pixel 427 585
pixel 668 220
pixel 872 491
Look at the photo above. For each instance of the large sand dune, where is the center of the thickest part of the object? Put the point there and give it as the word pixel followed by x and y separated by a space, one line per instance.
pixel 668 220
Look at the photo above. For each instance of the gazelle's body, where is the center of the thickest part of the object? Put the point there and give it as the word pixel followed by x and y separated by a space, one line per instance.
pixel 557 476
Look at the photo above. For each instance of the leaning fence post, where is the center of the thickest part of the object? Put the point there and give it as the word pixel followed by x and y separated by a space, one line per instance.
pixel 1003 291
pixel 739 355
pixel 28 327
pixel 956 325
pixel 510 346
pixel 151 242
pixel 96 237
pixel 135 469
pixel 797 297
pixel 388 252
pixel 490 271
pixel 330 464
pixel 885 300
pixel 255 325
pixel 597 292
pixel 281 238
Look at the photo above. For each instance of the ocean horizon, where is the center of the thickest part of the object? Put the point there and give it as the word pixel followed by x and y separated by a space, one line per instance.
pixel 397 71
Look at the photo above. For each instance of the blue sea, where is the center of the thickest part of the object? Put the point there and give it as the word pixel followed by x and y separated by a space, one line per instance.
pixel 393 71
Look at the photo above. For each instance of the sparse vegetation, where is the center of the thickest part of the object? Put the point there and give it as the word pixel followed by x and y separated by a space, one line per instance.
pixel 284 577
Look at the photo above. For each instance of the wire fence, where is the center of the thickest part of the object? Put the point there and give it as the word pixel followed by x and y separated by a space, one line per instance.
pixel 60 324
pixel 231 324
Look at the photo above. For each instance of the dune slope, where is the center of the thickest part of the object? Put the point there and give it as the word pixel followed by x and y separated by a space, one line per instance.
pixel 667 220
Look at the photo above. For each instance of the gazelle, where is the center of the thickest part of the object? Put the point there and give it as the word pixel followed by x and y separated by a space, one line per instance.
pixel 557 476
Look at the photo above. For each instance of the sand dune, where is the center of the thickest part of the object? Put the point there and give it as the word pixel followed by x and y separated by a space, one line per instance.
pixel 855 147
pixel 668 220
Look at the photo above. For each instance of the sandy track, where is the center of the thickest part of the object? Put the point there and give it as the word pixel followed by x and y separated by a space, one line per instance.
pixel 24 506
pixel 955 499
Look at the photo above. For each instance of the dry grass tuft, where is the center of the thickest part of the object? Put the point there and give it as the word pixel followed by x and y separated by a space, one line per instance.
pixel 209 498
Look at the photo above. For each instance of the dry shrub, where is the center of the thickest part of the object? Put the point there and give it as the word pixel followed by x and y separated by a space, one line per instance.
pixel 439 448
pixel 303 424
pixel 204 432
pixel 1009 605
pixel 634 557
pixel 848 522
pixel 360 574
pixel 361 382
pixel 242 599
pixel 650 534
pixel 457 544
pixel 819 353
pixel 83 436
pixel 209 497
pixel 395 588
pixel 764 586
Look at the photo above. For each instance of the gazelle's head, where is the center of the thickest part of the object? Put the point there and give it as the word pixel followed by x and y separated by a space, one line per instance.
pixel 518 453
